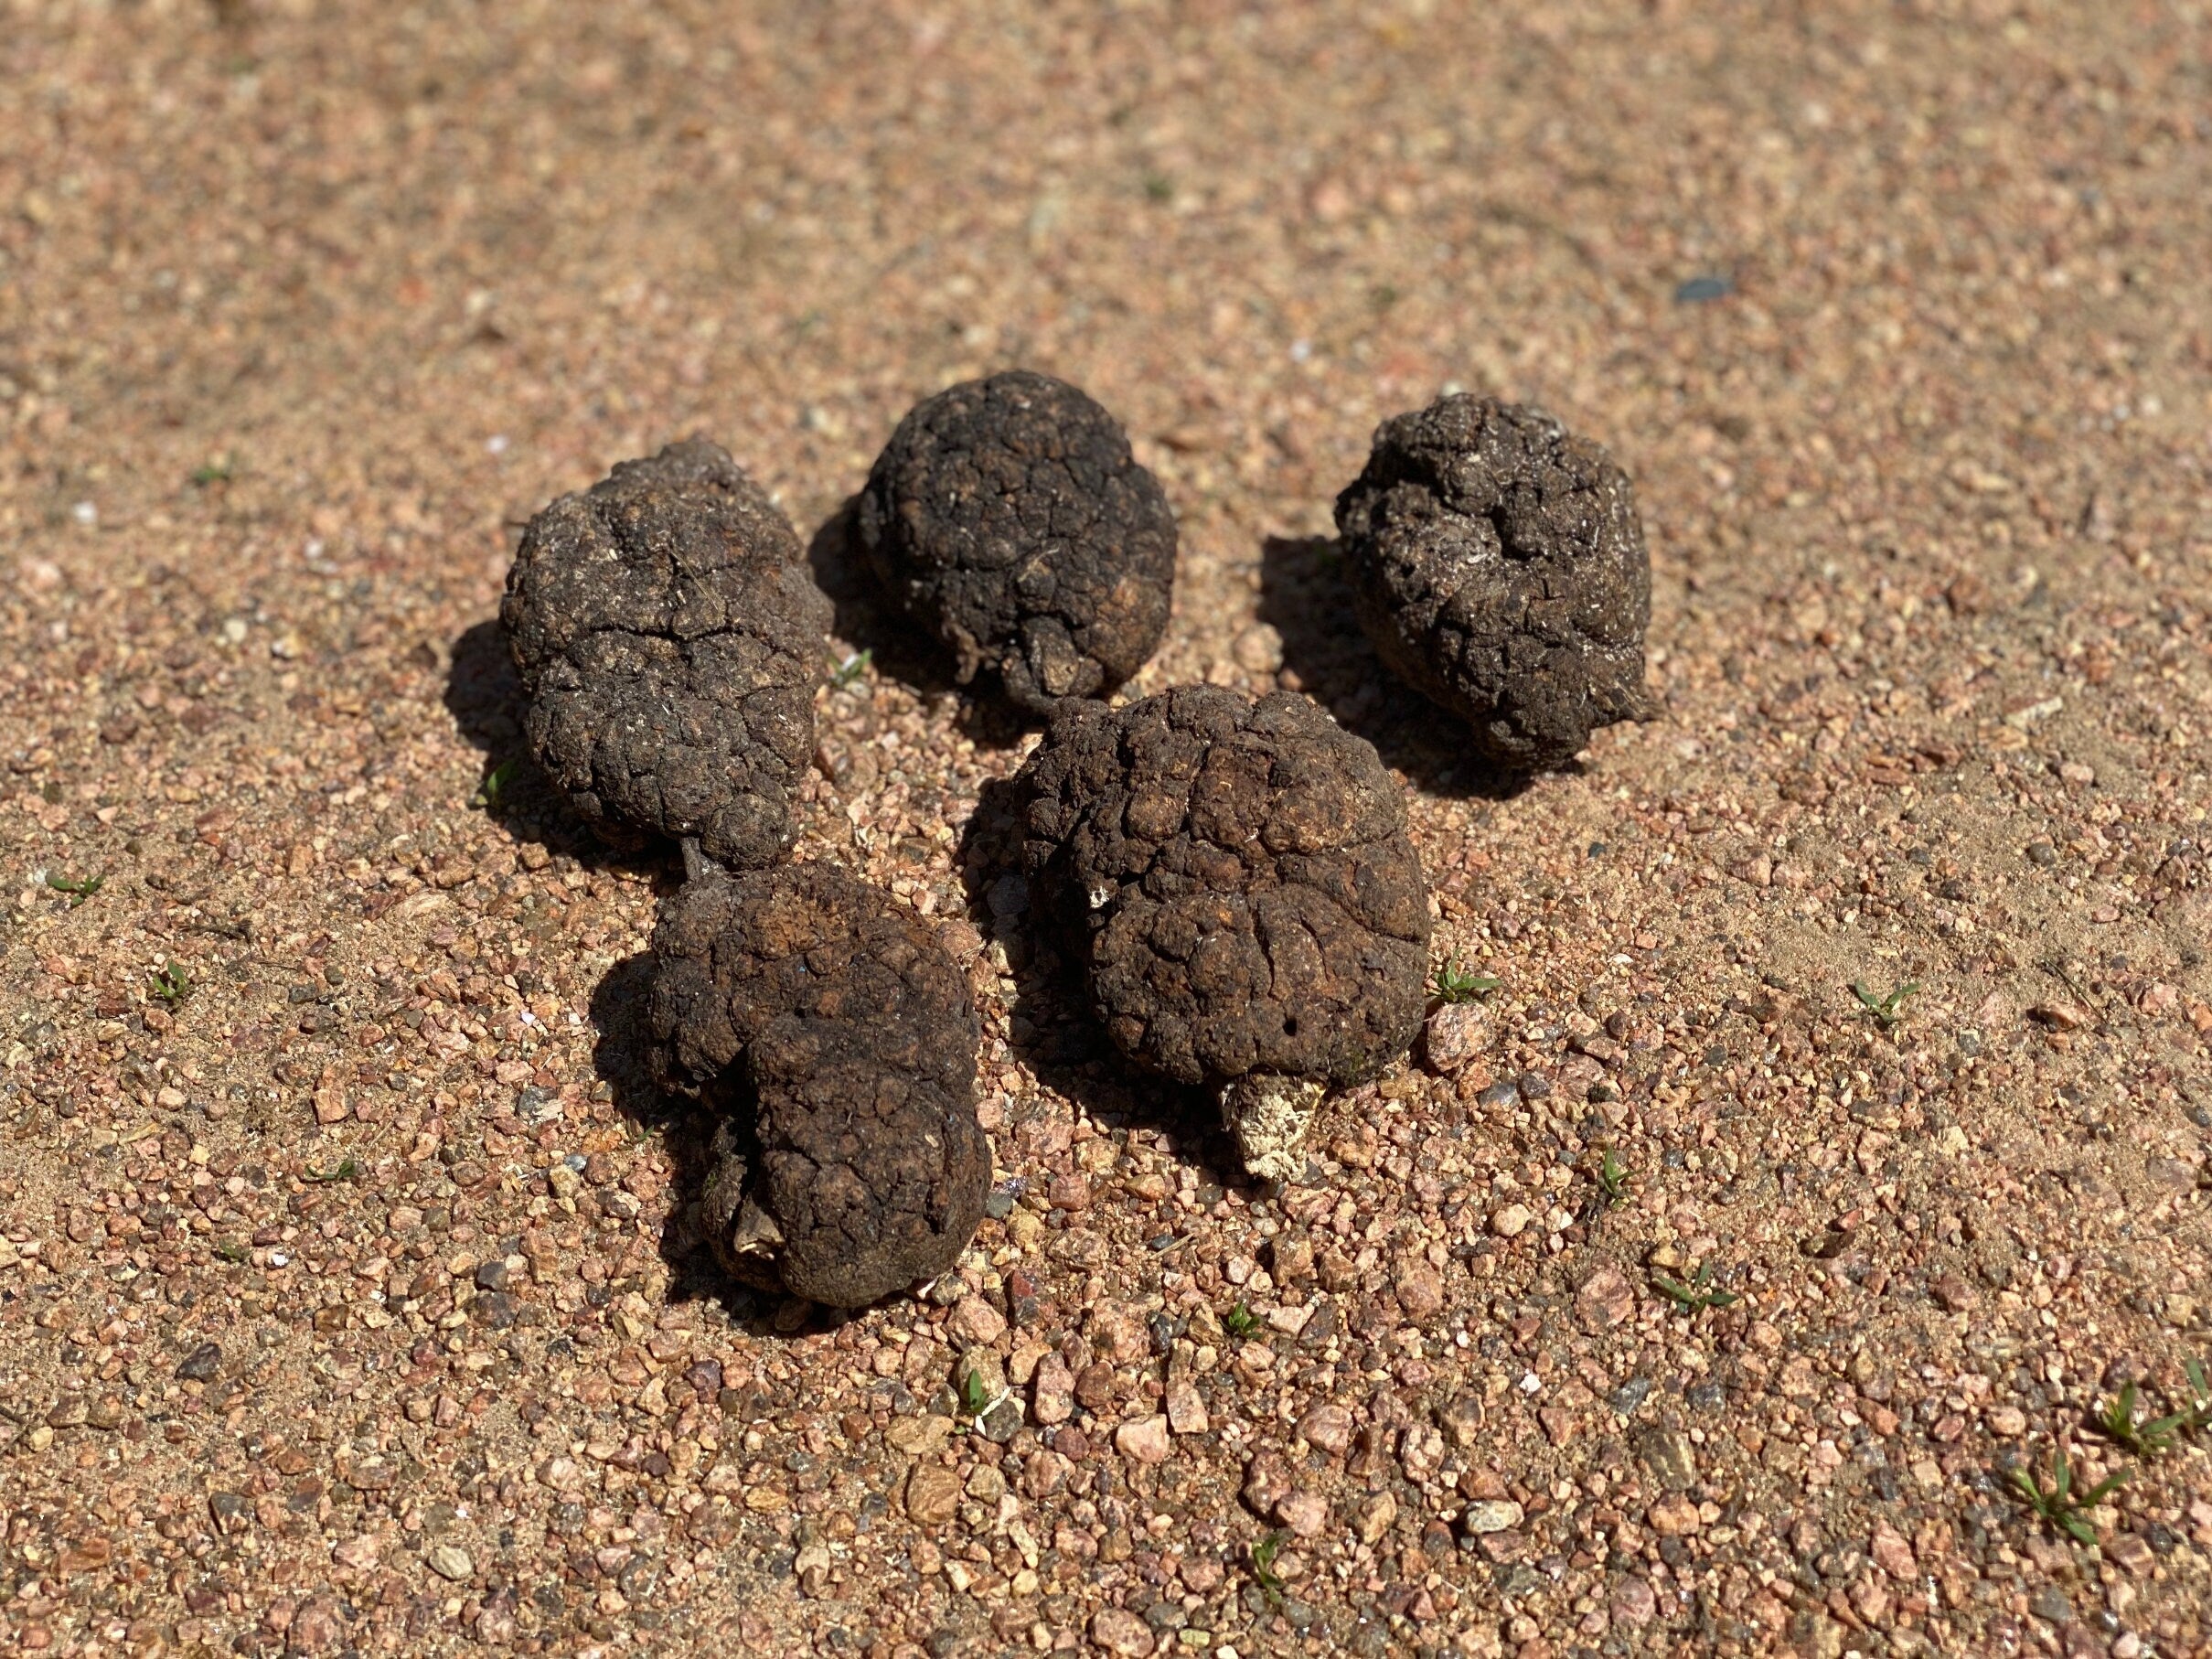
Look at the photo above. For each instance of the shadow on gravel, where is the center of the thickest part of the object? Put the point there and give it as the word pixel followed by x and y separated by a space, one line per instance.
pixel 1304 597
pixel 485 697
pixel 1054 1034
pixel 687 1129
pixel 897 647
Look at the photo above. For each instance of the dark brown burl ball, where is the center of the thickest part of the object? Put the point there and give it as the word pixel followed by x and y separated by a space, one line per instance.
pixel 1498 566
pixel 1009 517
pixel 670 639
pixel 835 1035
pixel 1248 908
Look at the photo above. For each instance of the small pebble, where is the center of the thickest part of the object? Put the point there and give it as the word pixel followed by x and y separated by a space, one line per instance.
pixel 1492 1514
pixel 1143 1442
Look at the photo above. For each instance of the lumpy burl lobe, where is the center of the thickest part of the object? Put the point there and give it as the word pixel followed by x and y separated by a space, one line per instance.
pixel 1498 568
pixel 1009 517
pixel 1239 880
pixel 669 640
pixel 808 998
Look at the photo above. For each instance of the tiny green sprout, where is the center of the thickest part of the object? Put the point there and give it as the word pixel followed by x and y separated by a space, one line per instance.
pixel 1263 1566
pixel 1159 187
pixel 231 1251
pixel 1457 982
pixel 2057 1505
pixel 1240 1321
pixel 848 673
pixel 2194 1419
pixel 975 1393
pixel 172 984
pixel 1882 1010
pixel 1696 1296
pixel 346 1170
pixel 213 472
pixel 2199 1416
pixel 1613 1178
pixel 495 784
pixel 78 890
pixel 2117 1423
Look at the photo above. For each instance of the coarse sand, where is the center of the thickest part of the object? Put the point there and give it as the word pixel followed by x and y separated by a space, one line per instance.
pixel 350 1293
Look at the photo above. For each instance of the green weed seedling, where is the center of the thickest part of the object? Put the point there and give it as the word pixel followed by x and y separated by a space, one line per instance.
pixel 1457 982
pixel 231 1251
pixel 2198 1417
pixel 1262 1566
pixel 848 673
pixel 2117 1423
pixel 975 1393
pixel 2057 1505
pixel 1884 1011
pixel 1696 1296
pixel 1613 1179
pixel 495 784
pixel 213 473
pixel 172 984
pixel 79 891
pixel 1240 1321
pixel 347 1170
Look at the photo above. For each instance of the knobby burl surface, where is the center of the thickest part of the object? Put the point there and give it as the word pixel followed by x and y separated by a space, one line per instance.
pixel 1253 902
pixel 1499 567
pixel 669 640
pixel 1008 516
pixel 836 1019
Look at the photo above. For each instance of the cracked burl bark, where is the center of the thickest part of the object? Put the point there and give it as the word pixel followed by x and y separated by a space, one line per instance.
pixel 1499 567
pixel 1248 910
pixel 1008 516
pixel 836 1038
pixel 669 640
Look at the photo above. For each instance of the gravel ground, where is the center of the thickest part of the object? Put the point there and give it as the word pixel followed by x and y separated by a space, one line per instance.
pixel 349 1299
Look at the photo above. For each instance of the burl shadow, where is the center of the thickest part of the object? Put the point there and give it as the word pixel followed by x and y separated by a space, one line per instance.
pixel 1305 597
